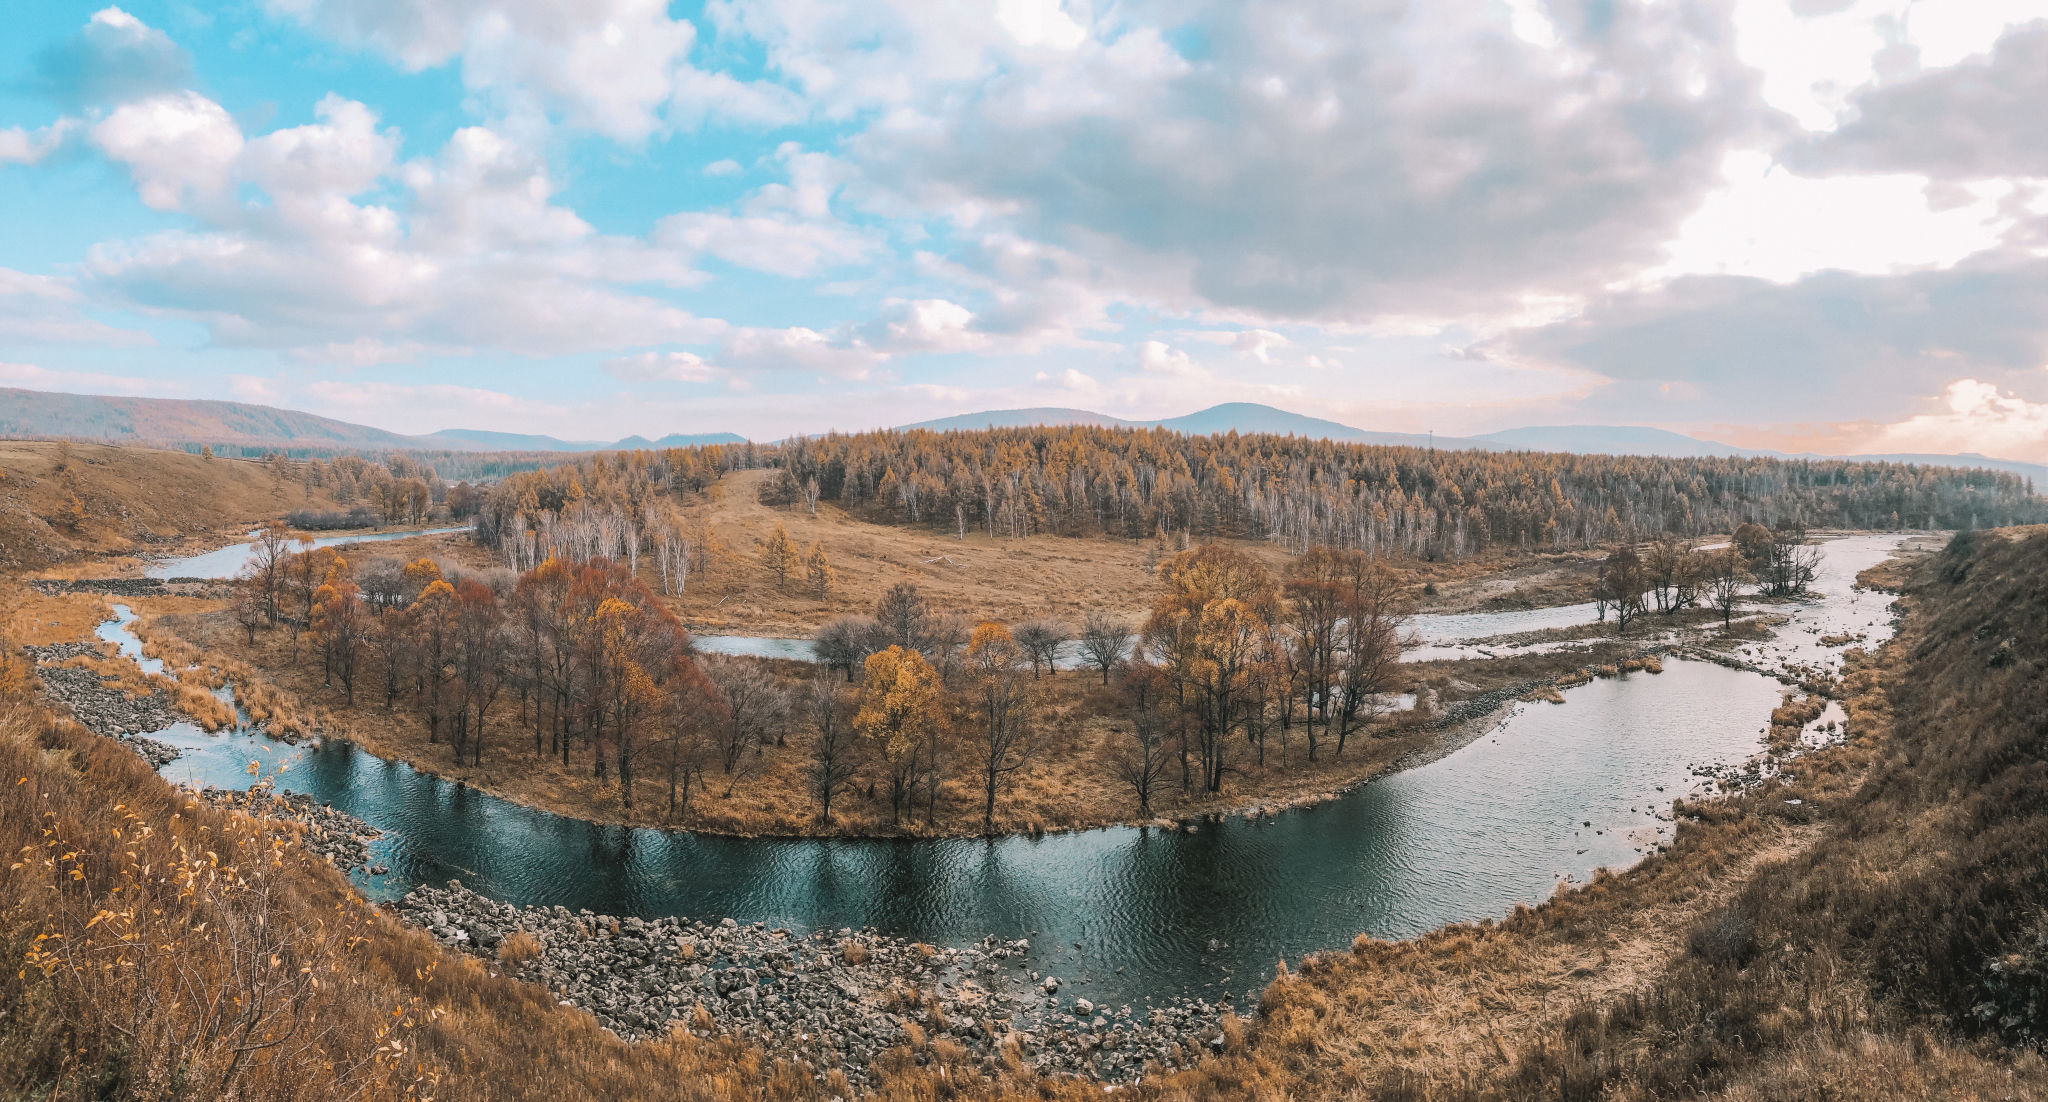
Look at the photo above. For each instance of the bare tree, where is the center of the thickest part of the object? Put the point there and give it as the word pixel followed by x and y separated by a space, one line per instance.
pixel 833 742
pixel 1623 581
pixel 1368 663
pixel 1105 639
pixel 1143 757
pixel 1723 577
pixel 844 643
pixel 266 568
pixel 1003 742
pixel 903 618
pixel 1041 641
pixel 757 710
pixel 248 608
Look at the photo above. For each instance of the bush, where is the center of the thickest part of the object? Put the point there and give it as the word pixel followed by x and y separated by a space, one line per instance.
pixel 1725 939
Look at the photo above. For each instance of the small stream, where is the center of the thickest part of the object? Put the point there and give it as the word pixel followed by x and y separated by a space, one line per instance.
pixel 1550 793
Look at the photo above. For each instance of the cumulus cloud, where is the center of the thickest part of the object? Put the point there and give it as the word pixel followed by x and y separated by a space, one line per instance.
pixel 114 58
pixel 38 309
pixel 672 366
pixel 1974 416
pixel 798 348
pixel 1311 166
pixel 180 147
pixel 481 257
pixel 1978 119
pixel 1160 358
pixel 1830 347
pixel 619 67
pixel 22 146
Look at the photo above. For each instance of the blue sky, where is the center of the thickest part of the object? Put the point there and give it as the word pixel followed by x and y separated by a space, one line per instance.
pixel 1804 223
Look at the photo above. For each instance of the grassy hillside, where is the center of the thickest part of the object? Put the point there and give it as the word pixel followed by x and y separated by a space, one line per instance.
pixel 64 501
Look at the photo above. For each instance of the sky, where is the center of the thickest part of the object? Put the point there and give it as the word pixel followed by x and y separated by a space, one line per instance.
pixel 1806 224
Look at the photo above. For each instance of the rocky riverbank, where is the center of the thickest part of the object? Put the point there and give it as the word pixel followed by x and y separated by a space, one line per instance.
pixel 104 710
pixel 336 835
pixel 131 587
pixel 833 999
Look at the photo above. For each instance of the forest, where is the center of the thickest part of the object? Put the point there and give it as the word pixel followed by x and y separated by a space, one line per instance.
pixel 1142 483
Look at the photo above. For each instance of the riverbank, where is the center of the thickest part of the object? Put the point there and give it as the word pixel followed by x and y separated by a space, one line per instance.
pixel 828 999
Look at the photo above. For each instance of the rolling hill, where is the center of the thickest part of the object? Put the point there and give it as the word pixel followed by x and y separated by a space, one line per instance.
pixel 120 420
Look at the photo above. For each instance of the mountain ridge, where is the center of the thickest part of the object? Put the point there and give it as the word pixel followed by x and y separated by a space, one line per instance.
pixel 191 421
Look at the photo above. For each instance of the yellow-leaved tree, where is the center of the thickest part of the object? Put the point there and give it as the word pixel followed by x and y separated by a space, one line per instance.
pixel 778 554
pixel 902 712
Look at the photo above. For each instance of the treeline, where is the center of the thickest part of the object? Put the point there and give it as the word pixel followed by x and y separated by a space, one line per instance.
pixel 1436 503
pixel 1141 483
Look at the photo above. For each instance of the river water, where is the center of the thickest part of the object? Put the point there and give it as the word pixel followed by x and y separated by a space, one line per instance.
pixel 228 561
pixel 1121 914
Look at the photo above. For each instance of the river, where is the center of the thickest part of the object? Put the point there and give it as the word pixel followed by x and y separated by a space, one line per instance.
pixel 1122 914
pixel 227 562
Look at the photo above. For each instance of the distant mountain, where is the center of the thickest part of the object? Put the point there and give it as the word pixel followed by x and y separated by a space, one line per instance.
pixel 1248 417
pixel 486 440
pixel 200 421
pixel 1021 418
pixel 1608 440
pixel 177 420
pixel 1245 417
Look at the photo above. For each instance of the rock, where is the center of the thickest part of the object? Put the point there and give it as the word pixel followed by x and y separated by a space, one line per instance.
pixel 796 996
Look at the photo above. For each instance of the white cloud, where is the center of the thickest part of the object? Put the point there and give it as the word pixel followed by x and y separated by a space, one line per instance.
pixel 723 167
pixel 619 67
pixel 34 377
pixel 1040 23
pixel 1772 224
pixel 1318 162
pixel 1975 417
pixel 674 366
pixel 480 257
pixel 361 352
pixel 928 325
pixel 1160 358
pixel 37 309
pixel 774 243
pixel 179 147
pixel 797 348
pixel 21 146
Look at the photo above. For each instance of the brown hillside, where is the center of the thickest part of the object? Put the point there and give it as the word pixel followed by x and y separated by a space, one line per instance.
pixel 63 501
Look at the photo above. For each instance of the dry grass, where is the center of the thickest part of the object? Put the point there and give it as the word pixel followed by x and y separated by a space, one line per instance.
pixel 163 949
pixel 993 578
pixel 518 947
pixel 133 499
